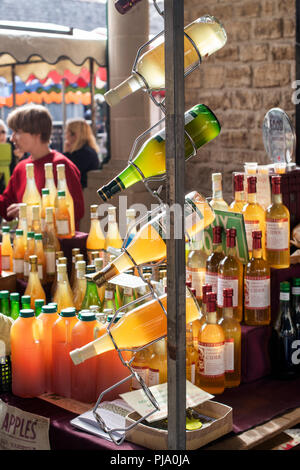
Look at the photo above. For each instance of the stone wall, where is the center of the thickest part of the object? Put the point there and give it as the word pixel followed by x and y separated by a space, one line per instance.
pixel 251 74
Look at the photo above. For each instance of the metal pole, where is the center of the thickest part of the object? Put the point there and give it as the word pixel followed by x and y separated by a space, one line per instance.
pixel 92 91
pixel 175 165
pixel 13 80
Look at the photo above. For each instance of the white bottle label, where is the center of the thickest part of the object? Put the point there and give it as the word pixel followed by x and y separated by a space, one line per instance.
pixel 277 234
pixel 153 377
pixel 143 373
pixel 228 283
pixel 257 292
pixel 50 262
pixel 18 266
pixel 212 279
pixel 229 355
pixel 109 294
pixel 198 278
pixel 62 227
pixel 5 263
pixel 211 359
pixel 296 290
pixel 193 373
pixel 128 291
pixel 26 268
pixel 251 226
pixel 284 296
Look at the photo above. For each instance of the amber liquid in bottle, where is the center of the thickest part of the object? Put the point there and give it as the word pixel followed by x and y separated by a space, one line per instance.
pixel 213 261
pixel 211 371
pixel 195 268
pixel 217 201
pixel 233 335
pixel 239 194
pixel 254 216
pixel 277 229
pixel 230 275
pixel 197 324
pixel 257 310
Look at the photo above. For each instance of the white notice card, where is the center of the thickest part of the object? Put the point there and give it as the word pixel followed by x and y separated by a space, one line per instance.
pixel 140 403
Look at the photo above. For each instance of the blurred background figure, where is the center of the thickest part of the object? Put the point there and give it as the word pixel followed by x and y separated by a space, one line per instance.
pixel 16 155
pixel 81 148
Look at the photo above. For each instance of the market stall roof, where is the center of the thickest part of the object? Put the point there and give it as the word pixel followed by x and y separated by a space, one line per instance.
pixel 40 47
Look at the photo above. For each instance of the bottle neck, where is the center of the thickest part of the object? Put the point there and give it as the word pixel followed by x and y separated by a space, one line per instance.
pixel 211 317
pixel 257 253
pixel 277 198
pixel 231 251
pixel 228 312
pixel 239 196
pixel 252 198
pixel 217 248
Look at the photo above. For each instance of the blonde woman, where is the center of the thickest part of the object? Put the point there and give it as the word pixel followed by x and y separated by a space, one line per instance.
pixel 81 148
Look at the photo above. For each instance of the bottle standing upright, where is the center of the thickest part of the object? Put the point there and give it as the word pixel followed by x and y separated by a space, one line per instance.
pixel 34 288
pixel 96 239
pixel 217 201
pixel 18 254
pixel 50 184
pixel 196 267
pixel 62 185
pixel 46 321
pixel 239 195
pixel 31 196
pixel 6 250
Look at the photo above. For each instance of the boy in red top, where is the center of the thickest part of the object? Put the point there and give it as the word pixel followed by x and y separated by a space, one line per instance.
pixel 32 126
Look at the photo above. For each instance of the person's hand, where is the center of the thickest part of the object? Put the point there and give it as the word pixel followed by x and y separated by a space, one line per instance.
pixel 13 211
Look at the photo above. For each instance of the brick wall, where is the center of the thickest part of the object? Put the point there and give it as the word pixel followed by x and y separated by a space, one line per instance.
pixel 251 74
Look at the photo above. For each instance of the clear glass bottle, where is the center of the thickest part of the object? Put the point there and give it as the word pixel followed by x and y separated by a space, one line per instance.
pixel 75 251
pixel 63 295
pixel 130 225
pixel 239 195
pixel 22 222
pixel 34 287
pixel 217 201
pixel 113 237
pixel 6 250
pixel 62 216
pixel 51 245
pixel 45 205
pixel 39 251
pixel 50 183
pixel 91 296
pixel 36 221
pixel 62 185
pixel 31 195
pixel 30 250
pixel 96 239
pixel 196 267
pixel 79 288
pixel 277 229
pixel 18 254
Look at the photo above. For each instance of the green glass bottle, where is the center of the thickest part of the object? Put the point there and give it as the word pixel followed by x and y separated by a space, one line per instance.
pixel 201 125
pixel 38 303
pixel 25 301
pixel 4 296
pixel 91 296
pixel 14 305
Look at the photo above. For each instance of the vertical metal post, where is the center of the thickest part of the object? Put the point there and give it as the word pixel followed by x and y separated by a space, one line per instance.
pixel 92 91
pixel 297 57
pixel 175 166
pixel 13 80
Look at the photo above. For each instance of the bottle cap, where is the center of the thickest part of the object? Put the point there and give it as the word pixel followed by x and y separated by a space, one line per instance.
pixel 49 308
pixel 53 304
pixel 26 312
pixel 205 289
pixel 90 269
pixel 227 297
pixel 68 312
pixel 4 294
pixel 30 234
pixel 256 239
pixel 38 236
pixel 14 296
pixel 285 286
pixel 61 192
pixel 45 191
pixel 211 303
pixel 39 303
pixel 251 180
pixel 276 184
pixel 94 208
pixel 5 229
pixel 239 182
pixel 230 237
pixel 19 231
pixel 25 298
pixel 217 234
pixel 296 281
pixel 33 259
pixel 62 268
pixel 86 315
pixel 80 265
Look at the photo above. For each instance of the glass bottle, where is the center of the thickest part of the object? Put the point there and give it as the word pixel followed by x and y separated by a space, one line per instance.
pixel 18 254
pixel 257 309
pixel 95 240
pixel 50 183
pixel 158 372
pixel 113 237
pixel 149 242
pixel 210 374
pixel 39 251
pixel 110 297
pixel 14 305
pixel 277 229
pixel 62 185
pixel 4 297
pixel 136 328
pixel 79 288
pixel 202 126
pixel 99 262
pixel 63 295
pixel 128 296
pixel 58 254
pixel 36 221
pixel 206 33
pixel 31 195
pixel 283 339
pixel 22 222
pixel 30 250
pixel 196 267
pixel 34 287
pixel 6 250
pixel 191 354
pixel 197 324
pixel 217 201
pixel 140 365
pixel 45 205
pixel 62 216
pixel 239 194
pixel 38 304
pixel 213 261
pixel 254 216
pixel 75 251
pixel 51 245
pixel 91 294
pixel 25 302
pixel 233 337
pixel 230 275
pixel 123 6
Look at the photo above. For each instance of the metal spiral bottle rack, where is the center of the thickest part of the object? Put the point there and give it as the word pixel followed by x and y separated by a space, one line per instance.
pixel 173 108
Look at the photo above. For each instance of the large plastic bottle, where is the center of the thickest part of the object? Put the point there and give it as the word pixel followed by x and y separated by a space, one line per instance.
pixel 45 321
pixel 61 347
pixel 28 367
pixel 84 375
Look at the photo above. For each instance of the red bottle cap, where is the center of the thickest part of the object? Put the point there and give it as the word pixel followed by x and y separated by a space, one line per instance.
pixel 276 184
pixel 217 235
pixel 256 239
pixel 205 289
pixel 124 5
pixel 230 237
pixel 211 302
pixel 251 180
pixel 188 284
pixel 239 182
pixel 227 296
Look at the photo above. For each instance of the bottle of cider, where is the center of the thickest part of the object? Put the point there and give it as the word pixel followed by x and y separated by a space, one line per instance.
pixel 75 251
pixel 62 185
pixel 51 244
pixel 31 196
pixel 123 6
pixel 110 297
pixel 14 298
pixel 197 324
pixel 239 194
pixel 34 287
pixel 217 201
pixel 254 216
pixel 45 205
pixel 233 335
pixel 206 33
pixel 113 237
pixel 95 240
pixel 63 295
pixel 191 354
pixel 257 310
pixel 58 254
pixel 211 360
pixel 79 288
pixel 213 260
pixel 62 216
pixel 39 251
pixel 36 222
pixel 136 328
pixel 130 225
pixel 50 184
pixel 195 268
pixel 18 254
pixel 91 294
pixel 22 223
pixel 6 250
pixel 158 373
pixel 200 124
pixel 30 250
pixel 230 275
pixel 149 243
pixel 277 229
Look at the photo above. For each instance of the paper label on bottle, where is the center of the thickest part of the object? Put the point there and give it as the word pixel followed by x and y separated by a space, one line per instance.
pixel 228 282
pixel 128 291
pixel 284 296
pixel 62 227
pixel 296 290
pixel 229 355
pixel 153 377
pixel 277 234
pixel 198 278
pixel 212 279
pixel 109 294
pixel 251 226
pixel 40 271
pixel 18 266
pixel 211 359
pixel 143 373
pixel 257 292
pixel 5 262
pixel 50 262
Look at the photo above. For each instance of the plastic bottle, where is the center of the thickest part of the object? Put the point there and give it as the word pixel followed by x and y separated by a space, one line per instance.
pixel 46 320
pixel 50 184
pixel 22 222
pixel 6 250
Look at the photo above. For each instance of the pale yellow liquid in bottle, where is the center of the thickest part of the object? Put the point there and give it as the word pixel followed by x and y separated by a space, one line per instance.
pixel 96 239
pixel 232 332
pixel 31 195
pixel 113 237
pixel 254 217
pixel 63 295
pixel 62 185
pixel 7 251
pixel 278 212
pixel 50 184
pixel 79 285
pixel 34 287
pixel 22 223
